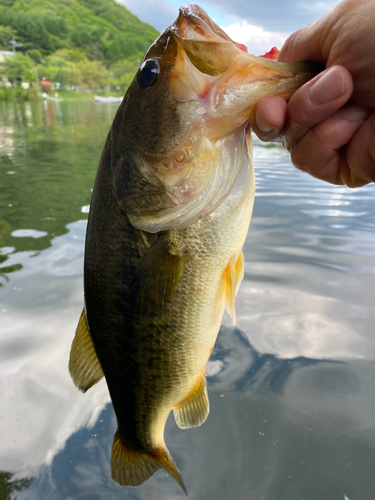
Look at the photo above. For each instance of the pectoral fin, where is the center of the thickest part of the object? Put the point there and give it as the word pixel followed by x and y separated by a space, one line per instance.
pixel 233 277
pixel 156 277
pixel 194 409
pixel 84 366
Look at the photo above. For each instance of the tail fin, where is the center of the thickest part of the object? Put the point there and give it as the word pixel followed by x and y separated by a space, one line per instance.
pixel 132 468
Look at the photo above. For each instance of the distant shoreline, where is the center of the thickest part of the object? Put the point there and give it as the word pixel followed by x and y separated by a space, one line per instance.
pixel 23 95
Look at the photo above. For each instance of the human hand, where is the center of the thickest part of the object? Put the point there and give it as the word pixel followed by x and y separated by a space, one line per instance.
pixel 328 135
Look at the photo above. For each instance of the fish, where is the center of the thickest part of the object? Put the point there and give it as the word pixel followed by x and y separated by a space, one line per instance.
pixel 170 211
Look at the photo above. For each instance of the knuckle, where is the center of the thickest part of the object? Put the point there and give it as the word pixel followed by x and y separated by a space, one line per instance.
pixel 300 160
pixel 322 135
pixel 291 135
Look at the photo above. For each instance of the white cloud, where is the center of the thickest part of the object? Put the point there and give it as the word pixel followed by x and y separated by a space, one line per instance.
pixel 260 27
pixel 274 15
pixel 257 40
pixel 161 14
pixel 259 24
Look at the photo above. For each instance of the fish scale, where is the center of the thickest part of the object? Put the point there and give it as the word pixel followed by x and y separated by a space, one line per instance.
pixel 170 211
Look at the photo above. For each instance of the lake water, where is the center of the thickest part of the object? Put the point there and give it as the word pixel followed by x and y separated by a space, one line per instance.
pixel 291 387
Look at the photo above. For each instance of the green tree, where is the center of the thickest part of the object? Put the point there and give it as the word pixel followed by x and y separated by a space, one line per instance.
pixel 103 29
pixel 94 52
pixel 8 485
pixel 123 73
pixel 73 55
pixel 35 55
pixel 6 34
pixel 94 74
pixel 60 70
pixel 30 30
pixel 18 68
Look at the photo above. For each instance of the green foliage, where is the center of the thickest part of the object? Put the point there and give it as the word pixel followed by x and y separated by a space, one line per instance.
pixel 18 94
pixel 94 52
pixel 72 68
pixel 89 44
pixel 123 73
pixel 35 55
pixel 6 34
pixel 72 55
pixel 94 74
pixel 8 485
pixel 30 30
pixel 18 68
pixel 60 70
pixel 103 29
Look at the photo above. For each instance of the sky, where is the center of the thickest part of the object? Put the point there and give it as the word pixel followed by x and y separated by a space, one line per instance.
pixel 259 24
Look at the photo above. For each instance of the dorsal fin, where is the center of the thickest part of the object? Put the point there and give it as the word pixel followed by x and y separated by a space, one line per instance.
pixel 233 276
pixel 84 366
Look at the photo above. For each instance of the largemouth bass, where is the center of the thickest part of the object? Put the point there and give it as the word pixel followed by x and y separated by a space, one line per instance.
pixel 169 215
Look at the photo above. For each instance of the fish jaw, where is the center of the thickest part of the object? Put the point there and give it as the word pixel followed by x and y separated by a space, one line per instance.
pixel 201 102
pixel 214 83
pixel 233 96
pixel 219 73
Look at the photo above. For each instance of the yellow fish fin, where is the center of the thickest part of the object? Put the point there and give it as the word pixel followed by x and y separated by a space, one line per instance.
pixel 132 468
pixel 194 409
pixel 84 366
pixel 156 277
pixel 233 276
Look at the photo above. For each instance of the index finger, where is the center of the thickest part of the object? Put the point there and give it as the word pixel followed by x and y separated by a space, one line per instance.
pixel 303 45
pixel 316 101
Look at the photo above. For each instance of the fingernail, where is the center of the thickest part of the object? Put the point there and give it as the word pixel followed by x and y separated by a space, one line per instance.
pixel 262 125
pixel 356 113
pixel 328 87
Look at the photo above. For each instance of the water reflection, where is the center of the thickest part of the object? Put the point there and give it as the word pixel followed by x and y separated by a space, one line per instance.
pixel 8 486
pixel 51 146
pixel 291 386
pixel 52 150
pixel 277 429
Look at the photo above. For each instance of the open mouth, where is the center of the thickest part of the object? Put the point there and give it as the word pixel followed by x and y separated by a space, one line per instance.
pixel 194 18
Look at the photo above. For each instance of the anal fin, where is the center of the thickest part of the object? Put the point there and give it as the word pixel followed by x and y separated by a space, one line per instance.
pixel 194 409
pixel 233 276
pixel 132 468
pixel 84 366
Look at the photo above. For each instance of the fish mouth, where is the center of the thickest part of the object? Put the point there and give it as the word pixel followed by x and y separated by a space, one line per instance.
pixel 230 81
pixel 193 20
pixel 212 84
pixel 207 46
pixel 213 52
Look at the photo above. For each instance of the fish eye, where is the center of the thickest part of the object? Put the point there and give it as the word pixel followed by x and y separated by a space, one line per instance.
pixel 148 73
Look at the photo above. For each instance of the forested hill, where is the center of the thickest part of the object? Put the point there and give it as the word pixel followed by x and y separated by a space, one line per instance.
pixel 103 29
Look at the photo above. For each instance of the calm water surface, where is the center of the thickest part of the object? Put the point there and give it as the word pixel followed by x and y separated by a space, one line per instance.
pixel 292 386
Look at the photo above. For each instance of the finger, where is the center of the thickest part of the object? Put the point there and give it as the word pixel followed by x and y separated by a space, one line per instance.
pixel 344 36
pixel 269 118
pixel 314 42
pixel 321 151
pixel 303 45
pixel 359 168
pixel 315 102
